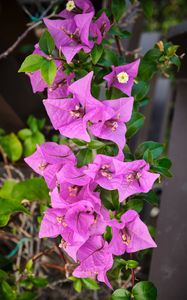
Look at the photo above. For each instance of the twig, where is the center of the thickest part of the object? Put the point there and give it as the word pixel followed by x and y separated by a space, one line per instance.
pixel 133 52
pixel 53 266
pixel 17 171
pixel 19 39
pixel 131 12
pixel 133 277
pixel 61 253
pixel 5 161
pixel 26 32
pixel 38 255
pixel 118 45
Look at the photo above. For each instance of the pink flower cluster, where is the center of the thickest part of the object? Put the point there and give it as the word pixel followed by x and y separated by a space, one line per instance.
pixel 77 213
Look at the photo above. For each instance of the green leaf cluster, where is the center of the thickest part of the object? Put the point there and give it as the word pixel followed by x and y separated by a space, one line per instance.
pixel 143 290
pixel 32 136
pixel 12 193
pixel 46 63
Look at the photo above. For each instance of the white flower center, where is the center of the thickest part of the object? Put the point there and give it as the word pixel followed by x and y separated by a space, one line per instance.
pixel 122 77
pixel 70 5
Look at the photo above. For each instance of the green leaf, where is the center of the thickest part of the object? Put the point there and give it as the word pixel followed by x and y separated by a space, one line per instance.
pixel 131 264
pixel 110 199
pixel 152 231
pixel 134 124
pixel 140 90
pixel 10 206
pixel 2 132
pixel 148 156
pixel 12 146
pixel 121 294
pixel 96 53
pixel 77 285
pixel 6 291
pixel 114 93
pixel 118 9
pixel 147 6
pixel 31 189
pixel 175 60
pixel 32 123
pixel 164 163
pixel 150 197
pixel 115 30
pixel 41 123
pixel 118 265
pixel 3 275
pixel 79 142
pixel 32 63
pixel 99 74
pixel 172 50
pixel 38 138
pixel 24 133
pixel 7 188
pixel 155 148
pixel 95 144
pixel 39 281
pixel 162 171
pixel 148 64
pixel 90 284
pixel 108 233
pixel 31 142
pixel 144 290
pixel 95 90
pixel 27 295
pixel 84 157
pixel 46 43
pixel 29 147
pixel 135 204
pixel 29 265
pixel 4 220
pixel 110 58
pixel 48 71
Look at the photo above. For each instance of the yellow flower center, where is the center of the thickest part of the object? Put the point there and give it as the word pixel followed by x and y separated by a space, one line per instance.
pixel 123 77
pixel 70 5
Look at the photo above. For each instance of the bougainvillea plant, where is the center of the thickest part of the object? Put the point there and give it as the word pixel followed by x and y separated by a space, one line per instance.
pixel 94 186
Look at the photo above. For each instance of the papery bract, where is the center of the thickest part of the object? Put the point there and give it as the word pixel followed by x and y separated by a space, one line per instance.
pixel 130 235
pixel 76 7
pixel 73 115
pixel 95 259
pixel 112 127
pixel 136 179
pixel 100 27
pixel 106 171
pixel 59 88
pixel 70 193
pixel 122 77
pixel 48 159
pixel 70 116
pixel 128 177
pixel 71 35
pixel 37 82
pixel 54 224
pixel 61 82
